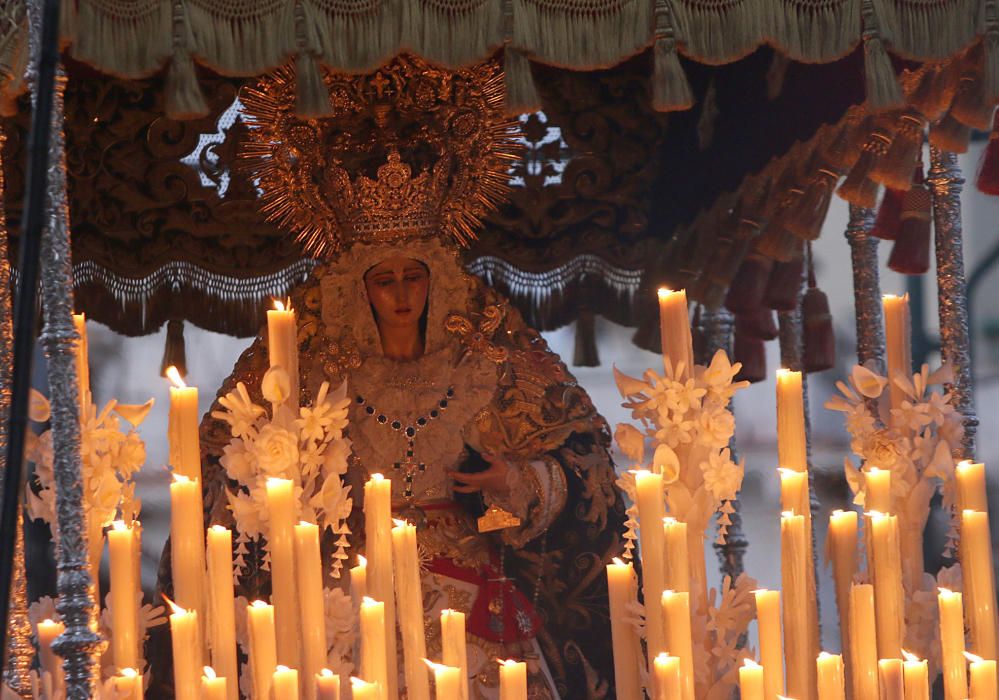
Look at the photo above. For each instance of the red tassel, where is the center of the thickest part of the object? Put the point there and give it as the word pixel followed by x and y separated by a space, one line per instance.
pixel 784 285
pixel 752 353
pixel 911 253
pixel 749 285
pixel 820 339
pixel 758 323
pixel 889 215
pixel 988 173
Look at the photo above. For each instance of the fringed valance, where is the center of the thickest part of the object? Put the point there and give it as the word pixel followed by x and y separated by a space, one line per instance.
pixel 137 38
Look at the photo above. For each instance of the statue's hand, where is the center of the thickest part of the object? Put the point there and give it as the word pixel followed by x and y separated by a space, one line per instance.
pixel 492 479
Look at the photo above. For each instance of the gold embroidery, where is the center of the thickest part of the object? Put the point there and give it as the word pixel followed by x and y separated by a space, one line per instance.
pixel 496 518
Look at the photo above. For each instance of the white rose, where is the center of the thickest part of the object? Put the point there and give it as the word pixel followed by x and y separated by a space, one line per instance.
pixel 276 450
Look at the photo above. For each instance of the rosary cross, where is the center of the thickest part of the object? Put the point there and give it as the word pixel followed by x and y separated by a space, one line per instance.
pixel 409 466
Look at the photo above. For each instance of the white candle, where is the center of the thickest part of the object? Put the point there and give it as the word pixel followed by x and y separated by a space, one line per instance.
pixel 651 510
pixel 830 672
pixel 513 680
pixel 898 348
pixel 983 678
pixel 284 683
pixel 374 652
pixel 771 644
pixel 186 643
pixel 674 330
pixel 676 610
pixel 359 580
pixel 792 452
pixel 795 547
pixel 282 347
pixel 916 677
pixel 213 686
pixel 878 490
pixel 622 588
pixel 889 595
pixel 327 685
pixel 81 354
pixel 221 601
pixel 50 662
pixel 128 684
pixel 310 599
pixel 263 646
pixel 454 652
pixel 667 675
pixel 409 602
pixel 182 429
pixel 751 686
pixel 890 674
pixel 363 690
pixel 281 544
pixel 447 680
pixel 187 548
pixel 842 548
pixel 124 592
pixel 380 578
pixel 863 642
pixel 979 582
pixel 971 486
pixel 952 644
pixel 677 569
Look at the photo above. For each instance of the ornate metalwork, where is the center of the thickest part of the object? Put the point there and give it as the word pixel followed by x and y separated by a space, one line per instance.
pixel 20 651
pixel 866 288
pixel 79 645
pixel 945 181
pixel 716 330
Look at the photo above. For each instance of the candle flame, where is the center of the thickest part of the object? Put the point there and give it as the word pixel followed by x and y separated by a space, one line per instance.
pixel 306 523
pixel 119 525
pixel 276 481
pixel 48 621
pixel 280 668
pixel 368 600
pixel 785 372
pixel 826 655
pixel 128 672
pixel 377 477
pixel 210 673
pixel 359 683
pixel 969 510
pixel 282 306
pixel 176 609
pixel 910 657
pixel 260 604
pixel 973 658
pixel 874 514
pixel 434 666
pixel 180 478
pixel 670 520
pixel 886 297
pixel 758 591
pixel 326 673
pixel 750 663
pixel 219 528
pixel 944 591
pixel 362 560
pixel 400 523
pixel 173 375
pixel 787 514
pixel 507 662
pixel 664 292
pixel 618 561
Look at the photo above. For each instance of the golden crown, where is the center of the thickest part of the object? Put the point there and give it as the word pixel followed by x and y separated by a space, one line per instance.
pixel 411 152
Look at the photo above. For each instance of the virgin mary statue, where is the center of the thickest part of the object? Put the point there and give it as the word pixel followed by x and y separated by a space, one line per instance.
pixel 492 448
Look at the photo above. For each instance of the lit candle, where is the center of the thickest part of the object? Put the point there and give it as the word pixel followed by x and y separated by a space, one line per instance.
pixel 830 672
pixel 327 685
pixel 447 680
pixel 310 599
pixel 877 490
pixel 363 690
pixel 454 652
pixel 793 491
pixel 863 642
pixel 284 683
pixel 187 548
pixel 263 646
pixel 841 543
pixel 791 446
pixel 128 684
pixel 51 664
pixel 674 329
pixel 898 348
pixel 651 510
pixel 81 354
pixel 889 595
pixel 182 428
pixel 124 591
pixel 751 681
pixel 795 547
pixel 667 675
pixel 409 597
pixel 677 569
pixel 358 580
pixel 979 581
pixel 983 678
pixel 971 486
pixel 282 347
pixel 676 611
pixel 380 579
pixel 213 687
pixel 186 644
pixel 890 674
pixel 374 662
pixel 771 646
pixel 281 544
pixel 916 677
pixel 513 680
pixel 221 601
pixel 622 588
pixel 952 644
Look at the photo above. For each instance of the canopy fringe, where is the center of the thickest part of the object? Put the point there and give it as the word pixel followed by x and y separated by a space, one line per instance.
pixel 456 34
pixel 670 89
pixel 132 44
pixel 184 99
pixel 883 91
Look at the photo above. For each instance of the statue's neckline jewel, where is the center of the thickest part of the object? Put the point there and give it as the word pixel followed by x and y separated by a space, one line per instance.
pixel 408 465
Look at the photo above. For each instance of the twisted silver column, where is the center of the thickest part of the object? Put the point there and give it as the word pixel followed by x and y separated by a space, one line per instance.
pixel 79 645
pixel 866 288
pixel 945 181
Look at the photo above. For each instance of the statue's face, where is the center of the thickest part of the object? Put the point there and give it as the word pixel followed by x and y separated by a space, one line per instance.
pixel 397 288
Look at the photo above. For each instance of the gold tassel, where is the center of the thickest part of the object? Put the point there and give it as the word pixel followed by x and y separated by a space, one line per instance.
pixel 971 107
pixel 183 93
pixel 929 94
pixel 521 94
pixel 883 91
pixel 811 209
pixel 670 89
pixel 586 354
pixel 894 170
pixel 859 188
pixel 312 96
pixel 174 352
pixel 950 135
